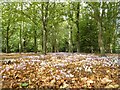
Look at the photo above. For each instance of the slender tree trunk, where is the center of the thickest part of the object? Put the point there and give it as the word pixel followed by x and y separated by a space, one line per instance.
pixel 70 39
pixel 24 39
pixel 24 44
pixel 56 42
pixel 7 40
pixel 70 15
pixel 78 29
pixel 35 41
pixel 114 41
pixel 42 40
pixel 53 42
pixel 100 39
pixel 69 42
pixel 45 41
pixel 20 44
pixel 35 32
pixel 57 47
pixel 7 33
pixel 22 49
pixel 21 28
pixel 43 28
pixel 44 21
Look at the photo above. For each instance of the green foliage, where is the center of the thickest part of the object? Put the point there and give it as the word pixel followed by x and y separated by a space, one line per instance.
pixel 62 26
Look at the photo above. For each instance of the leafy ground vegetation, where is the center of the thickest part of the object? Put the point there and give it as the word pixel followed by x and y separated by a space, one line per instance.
pixel 59 70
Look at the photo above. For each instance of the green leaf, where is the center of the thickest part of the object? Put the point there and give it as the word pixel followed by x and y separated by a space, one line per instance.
pixel 24 84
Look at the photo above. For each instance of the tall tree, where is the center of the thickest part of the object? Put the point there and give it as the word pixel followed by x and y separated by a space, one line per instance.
pixel 44 23
pixel 8 28
pixel 35 32
pixel 70 16
pixel 21 29
pixel 78 28
pixel 98 16
pixel 7 37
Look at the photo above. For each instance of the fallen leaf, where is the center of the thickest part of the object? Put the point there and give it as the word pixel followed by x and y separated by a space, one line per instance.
pixel 24 84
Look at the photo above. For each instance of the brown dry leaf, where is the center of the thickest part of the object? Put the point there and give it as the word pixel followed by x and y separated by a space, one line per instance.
pixel 116 86
pixel 84 79
pixel 53 82
pixel 109 86
pixel 30 82
pixel 75 79
pixel 64 85
pixel 90 81
pixel 19 76
pixel 105 80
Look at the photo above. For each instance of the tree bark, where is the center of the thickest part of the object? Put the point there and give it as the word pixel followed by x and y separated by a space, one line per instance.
pixel 35 32
pixel 42 39
pixel 7 39
pixel 20 43
pixel 100 39
pixel 53 42
pixel 43 28
pixel 44 21
pixel 21 28
pixel 70 40
pixel 35 41
pixel 78 29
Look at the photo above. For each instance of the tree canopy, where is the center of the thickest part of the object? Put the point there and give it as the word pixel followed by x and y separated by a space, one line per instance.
pixel 89 27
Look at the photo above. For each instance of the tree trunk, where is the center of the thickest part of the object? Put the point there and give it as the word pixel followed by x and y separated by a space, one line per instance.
pixel 78 29
pixel 44 21
pixel 24 44
pixel 45 41
pixel 35 41
pixel 54 34
pixel 21 29
pixel 100 39
pixel 20 44
pixel 53 43
pixel 7 40
pixel 42 38
pixel 24 41
pixel 43 28
pixel 70 40
pixel 35 32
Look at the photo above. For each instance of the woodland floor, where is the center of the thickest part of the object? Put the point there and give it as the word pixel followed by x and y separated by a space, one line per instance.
pixel 59 70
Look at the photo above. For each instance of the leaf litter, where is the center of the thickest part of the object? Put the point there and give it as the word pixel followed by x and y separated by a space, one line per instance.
pixel 61 70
